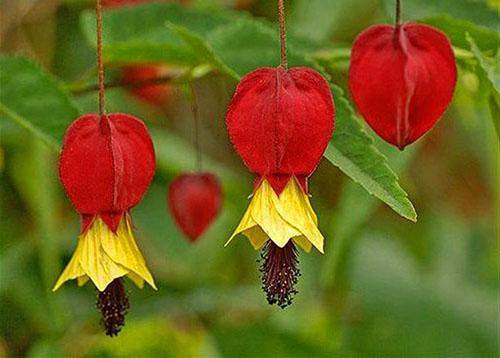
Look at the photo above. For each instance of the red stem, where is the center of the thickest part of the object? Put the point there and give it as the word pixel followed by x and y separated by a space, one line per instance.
pixel 100 63
pixel 283 58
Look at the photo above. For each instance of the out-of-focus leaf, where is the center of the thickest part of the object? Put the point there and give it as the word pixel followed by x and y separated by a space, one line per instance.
pixel 411 309
pixel 490 70
pixel 321 19
pixel 495 111
pixel 352 150
pixel 145 38
pixel 34 100
pixel 247 45
pixel 490 67
pixel 456 29
pixel 353 210
pixel 474 11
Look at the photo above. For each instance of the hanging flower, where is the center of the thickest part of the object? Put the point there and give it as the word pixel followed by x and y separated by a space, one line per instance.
pixel 402 79
pixel 194 201
pixel 106 165
pixel 280 122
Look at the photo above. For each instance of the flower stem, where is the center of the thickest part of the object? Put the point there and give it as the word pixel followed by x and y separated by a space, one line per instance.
pixel 196 124
pixel 398 13
pixel 100 63
pixel 283 58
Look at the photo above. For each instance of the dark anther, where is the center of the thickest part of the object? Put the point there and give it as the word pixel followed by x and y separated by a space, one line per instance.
pixel 113 304
pixel 280 273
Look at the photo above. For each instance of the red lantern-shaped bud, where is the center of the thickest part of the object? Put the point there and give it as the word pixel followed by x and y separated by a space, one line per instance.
pixel 106 166
pixel 194 201
pixel 280 122
pixel 402 79
pixel 155 94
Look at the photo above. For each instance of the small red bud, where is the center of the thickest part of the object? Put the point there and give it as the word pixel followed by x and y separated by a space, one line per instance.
pixel 155 94
pixel 402 79
pixel 280 122
pixel 194 201
pixel 106 165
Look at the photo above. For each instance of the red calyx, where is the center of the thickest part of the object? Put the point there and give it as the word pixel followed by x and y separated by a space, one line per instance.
pixel 156 94
pixel 280 122
pixel 106 165
pixel 402 79
pixel 194 201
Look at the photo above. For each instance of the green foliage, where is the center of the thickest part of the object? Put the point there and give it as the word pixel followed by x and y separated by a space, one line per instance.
pixel 385 286
pixel 34 100
pixel 478 12
pixel 352 150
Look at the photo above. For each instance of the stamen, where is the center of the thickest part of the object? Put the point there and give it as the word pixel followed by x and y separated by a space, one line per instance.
pixel 280 273
pixel 113 304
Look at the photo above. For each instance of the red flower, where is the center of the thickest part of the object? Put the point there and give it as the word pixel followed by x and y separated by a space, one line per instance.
pixel 280 122
pixel 106 166
pixel 402 79
pixel 156 94
pixel 194 201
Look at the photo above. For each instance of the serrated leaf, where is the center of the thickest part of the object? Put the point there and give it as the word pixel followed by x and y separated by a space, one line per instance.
pixel 352 150
pixel 34 100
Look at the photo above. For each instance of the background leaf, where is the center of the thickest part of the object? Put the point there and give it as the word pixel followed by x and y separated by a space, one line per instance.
pixel 34 100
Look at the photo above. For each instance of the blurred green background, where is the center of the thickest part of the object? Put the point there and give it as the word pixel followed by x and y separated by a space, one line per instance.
pixel 385 287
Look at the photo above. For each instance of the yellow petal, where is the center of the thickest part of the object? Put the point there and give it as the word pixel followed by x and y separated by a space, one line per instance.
pixel 280 218
pixel 73 270
pixel 294 206
pixel 103 256
pixel 82 280
pixel 96 263
pixel 123 250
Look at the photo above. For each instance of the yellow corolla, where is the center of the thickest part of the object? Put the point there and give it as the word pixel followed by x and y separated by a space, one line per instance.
pixel 280 219
pixel 103 256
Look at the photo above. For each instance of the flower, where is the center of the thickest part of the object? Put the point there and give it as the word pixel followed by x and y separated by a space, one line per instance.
pixel 194 201
pixel 402 79
pixel 280 122
pixel 106 165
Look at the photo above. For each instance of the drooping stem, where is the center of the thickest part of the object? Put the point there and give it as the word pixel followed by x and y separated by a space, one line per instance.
pixel 283 58
pixel 100 63
pixel 113 304
pixel 196 125
pixel 398 13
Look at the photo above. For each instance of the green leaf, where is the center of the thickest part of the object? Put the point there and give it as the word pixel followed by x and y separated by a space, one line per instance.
pixel 474 11
pixel 246 45
pixel 352 150
pixel 489 69
pixel 34 100
pixel 488 66
pixel 145 38
pixel 457 29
